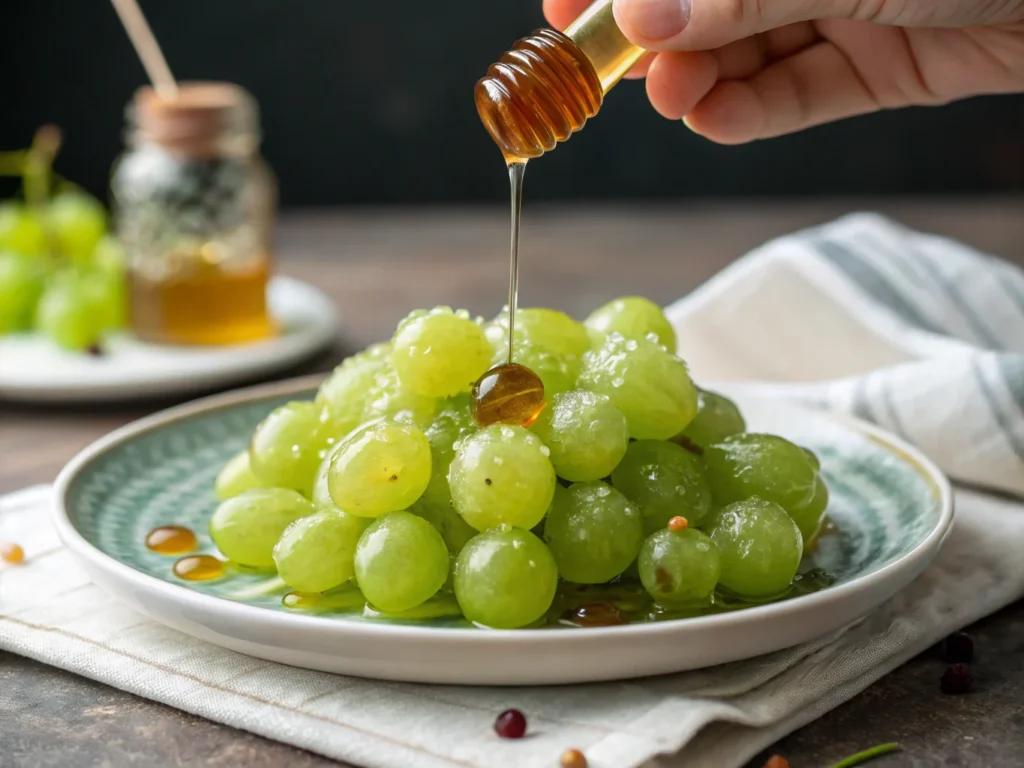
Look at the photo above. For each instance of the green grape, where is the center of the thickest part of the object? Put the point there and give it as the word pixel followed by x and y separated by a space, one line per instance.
pixel 20 230
pixel 546 329
pixel 767 466
pixel 808 517
pixel 760 547
pixel 664 480
pixel 679 567
pixel 247 526
pixel 285 450
pixel 557 373
pixel 109 257
pixel 505 578
pixel 317 552
pixel 435 506
pixel 348 391
pixel 381 467
pixel 68 314
pixel 597 338
pixel 440 353
pixel 717 418
pixel 77 222
pixel 21 284
pixel 501 475
pixel 586 433
pixel 107 295
pixel 236 477
pixel 390 400
pixel 401 562
pixel 649 385
pixel 594 532
pixel 321 495
pixel 635 318
pixel 813 458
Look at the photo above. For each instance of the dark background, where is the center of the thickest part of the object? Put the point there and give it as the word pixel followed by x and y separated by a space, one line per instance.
pixel 371 102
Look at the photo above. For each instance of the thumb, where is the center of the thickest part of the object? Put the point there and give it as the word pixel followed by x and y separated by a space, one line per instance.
pixel 690 25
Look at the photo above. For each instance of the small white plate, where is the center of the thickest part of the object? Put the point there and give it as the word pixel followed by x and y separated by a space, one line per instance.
pixel 891 506
pixel 34 369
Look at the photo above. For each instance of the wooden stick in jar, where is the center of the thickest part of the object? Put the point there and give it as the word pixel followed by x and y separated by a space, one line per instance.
pixel 146 47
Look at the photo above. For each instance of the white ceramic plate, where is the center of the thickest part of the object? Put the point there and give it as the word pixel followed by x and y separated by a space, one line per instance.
pixel 33 369
pixel 891 506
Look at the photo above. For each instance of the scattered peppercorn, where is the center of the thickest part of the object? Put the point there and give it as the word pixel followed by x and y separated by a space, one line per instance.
pixel 959 648
pixel 678 524
pixel 511 724
pixel 12 553
pixel 777 761
pixel 956 679
pixel 573 758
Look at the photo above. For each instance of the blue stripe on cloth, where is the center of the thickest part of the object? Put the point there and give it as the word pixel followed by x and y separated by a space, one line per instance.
pixel 981 330
pixel 861 407
pixel 1011 366
pixel 1010 280
pixel 873 282
pixel 1000 414
pixel 890 407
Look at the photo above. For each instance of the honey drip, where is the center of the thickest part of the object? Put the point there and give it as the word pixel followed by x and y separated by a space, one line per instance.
pixel 199 568
pixel 508 394
pixel 538 94
pixel 171 540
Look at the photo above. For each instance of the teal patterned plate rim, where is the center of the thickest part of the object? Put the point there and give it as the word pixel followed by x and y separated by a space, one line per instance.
pixel 891 505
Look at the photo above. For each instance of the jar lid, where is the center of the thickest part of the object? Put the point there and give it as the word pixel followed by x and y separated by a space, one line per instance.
pixel 204 119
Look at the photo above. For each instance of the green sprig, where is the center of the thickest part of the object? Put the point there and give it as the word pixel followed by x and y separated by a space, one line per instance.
pixel 867 754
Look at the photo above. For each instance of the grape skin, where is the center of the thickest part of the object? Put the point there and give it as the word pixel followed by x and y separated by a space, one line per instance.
pixel 440 353
pixel 382 467
pixel 285 450
pixel 635 318
pixel 400 562
pixel 317 552
pixel 768 466
pixel 760 547
pixel 678 568
pixel 650 386
pixel 500 475
pixel 665 480
pixel 505 578
pixel 236 477
pixel 593 532
pixel 586 433
pixel 717 418
pixel 246 527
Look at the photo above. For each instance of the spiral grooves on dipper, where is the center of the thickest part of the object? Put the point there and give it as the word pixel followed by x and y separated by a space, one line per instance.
pixel 538 94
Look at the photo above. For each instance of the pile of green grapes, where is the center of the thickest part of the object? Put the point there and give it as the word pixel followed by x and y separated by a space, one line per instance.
pixel 386 483
pixel 61 272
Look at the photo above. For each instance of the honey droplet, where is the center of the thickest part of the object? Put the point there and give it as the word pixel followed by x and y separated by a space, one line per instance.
pixel 12 553
pixel 199 568
pixel 171 540
pixel 595 615
pixel 508 394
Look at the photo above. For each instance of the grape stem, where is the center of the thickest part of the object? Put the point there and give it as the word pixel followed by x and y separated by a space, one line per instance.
pixel 867 754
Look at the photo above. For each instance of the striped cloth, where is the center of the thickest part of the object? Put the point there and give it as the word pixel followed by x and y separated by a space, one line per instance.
pixel 861 315
pixel 916 333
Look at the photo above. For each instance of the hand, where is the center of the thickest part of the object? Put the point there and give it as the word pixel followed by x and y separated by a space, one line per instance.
pixel 739 70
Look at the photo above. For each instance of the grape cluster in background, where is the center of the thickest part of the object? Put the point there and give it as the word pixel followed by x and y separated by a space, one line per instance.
pixel 61 270
pixel 633 495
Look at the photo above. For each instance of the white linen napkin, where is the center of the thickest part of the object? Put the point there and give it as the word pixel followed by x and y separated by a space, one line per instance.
pixel 913 332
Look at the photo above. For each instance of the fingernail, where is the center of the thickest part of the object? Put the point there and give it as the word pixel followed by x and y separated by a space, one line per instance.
pixel 656 19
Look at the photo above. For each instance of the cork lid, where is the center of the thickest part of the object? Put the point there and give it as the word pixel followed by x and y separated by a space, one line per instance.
pixel 204 119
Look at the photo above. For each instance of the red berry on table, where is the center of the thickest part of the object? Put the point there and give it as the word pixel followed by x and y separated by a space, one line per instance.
pixel 956 679
pixel 511 724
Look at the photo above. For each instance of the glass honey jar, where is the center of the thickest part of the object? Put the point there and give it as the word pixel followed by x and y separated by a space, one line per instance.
pixel 194 205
